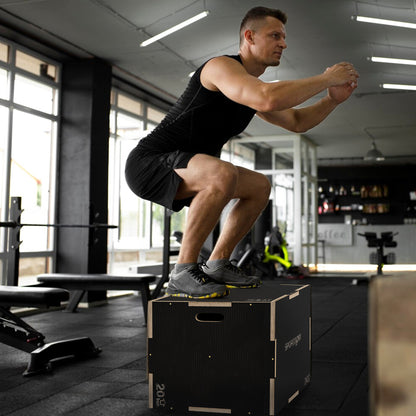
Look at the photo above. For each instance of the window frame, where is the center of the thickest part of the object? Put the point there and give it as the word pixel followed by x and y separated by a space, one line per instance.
pixel 54 117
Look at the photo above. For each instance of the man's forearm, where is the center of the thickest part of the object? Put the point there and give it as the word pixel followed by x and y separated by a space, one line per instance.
pixel 310 116
pixel 288 94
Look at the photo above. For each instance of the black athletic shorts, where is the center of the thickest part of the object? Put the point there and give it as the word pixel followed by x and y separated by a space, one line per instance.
pixel 150 175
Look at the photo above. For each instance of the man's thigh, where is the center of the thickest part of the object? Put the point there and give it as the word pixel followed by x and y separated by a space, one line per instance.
pixel 251 184
pixel 201 171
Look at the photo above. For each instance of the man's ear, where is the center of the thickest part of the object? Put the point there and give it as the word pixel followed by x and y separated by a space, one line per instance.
pixel 249 36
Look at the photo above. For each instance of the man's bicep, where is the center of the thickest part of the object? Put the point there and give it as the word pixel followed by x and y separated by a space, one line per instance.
pixel 228 76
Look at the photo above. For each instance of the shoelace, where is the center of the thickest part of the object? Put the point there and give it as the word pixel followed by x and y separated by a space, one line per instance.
pixel 231 266
pixel 198 274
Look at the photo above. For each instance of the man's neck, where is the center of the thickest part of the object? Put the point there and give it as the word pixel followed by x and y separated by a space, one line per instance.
pixel 252 66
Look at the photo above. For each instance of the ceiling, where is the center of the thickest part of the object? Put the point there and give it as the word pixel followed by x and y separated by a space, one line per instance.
pixel 319 34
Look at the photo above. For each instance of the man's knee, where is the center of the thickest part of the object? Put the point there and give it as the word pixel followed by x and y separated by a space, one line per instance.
pixel 225 179
pixel 262 188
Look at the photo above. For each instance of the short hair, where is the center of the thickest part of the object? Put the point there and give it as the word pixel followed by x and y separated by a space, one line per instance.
pixel 260 13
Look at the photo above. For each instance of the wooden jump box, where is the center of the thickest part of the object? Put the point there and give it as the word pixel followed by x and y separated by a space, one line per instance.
pixel 248 353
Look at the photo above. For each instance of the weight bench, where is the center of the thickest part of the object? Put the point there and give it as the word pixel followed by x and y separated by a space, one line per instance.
pixel 80 283
pixel 18 334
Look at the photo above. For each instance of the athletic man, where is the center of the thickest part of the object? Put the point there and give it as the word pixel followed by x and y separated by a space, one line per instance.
pixel 178 164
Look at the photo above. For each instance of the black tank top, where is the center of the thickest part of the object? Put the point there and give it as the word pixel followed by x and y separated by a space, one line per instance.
pixel 201 121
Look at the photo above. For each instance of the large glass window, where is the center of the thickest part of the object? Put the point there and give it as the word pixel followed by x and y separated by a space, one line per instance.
pixel 33 94
pixel 4 122
pixel 33 141
pixel 139 237
pixel 36 66
pixel 29 90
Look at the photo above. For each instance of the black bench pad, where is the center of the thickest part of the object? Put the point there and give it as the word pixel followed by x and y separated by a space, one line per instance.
pixel 97 281
pixel 81 283
pixel 32 296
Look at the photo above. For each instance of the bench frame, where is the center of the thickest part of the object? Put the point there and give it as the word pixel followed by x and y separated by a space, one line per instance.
pixel 17 333
pixel 81 283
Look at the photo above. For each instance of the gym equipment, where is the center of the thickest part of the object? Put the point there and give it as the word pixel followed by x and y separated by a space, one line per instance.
pixel 18 334
pixel 212 356
pixel 81 283
pixel 14 225
pixel 272 260
pixel 385 240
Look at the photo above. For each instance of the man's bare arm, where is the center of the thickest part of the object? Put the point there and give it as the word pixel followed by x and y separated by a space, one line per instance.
pixel 228 76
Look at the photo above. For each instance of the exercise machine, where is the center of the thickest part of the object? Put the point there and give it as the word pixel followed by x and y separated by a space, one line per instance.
pixel 378 257
pixel 272 260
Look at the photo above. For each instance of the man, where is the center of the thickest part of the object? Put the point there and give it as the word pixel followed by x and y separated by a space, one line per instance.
pixel 178 164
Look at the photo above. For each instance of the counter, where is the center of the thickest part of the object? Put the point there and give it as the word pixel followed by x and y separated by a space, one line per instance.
pixel 343 245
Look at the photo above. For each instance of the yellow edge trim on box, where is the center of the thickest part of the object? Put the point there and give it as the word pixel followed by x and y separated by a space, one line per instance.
pixel 275 358
pixel 293 284
pixel 210 304
pixel 293 396
pixel 293 295
pixel 272 398
pixel 150 320
pixel 272 320
pixel 209 410
pixel 310 333
pixel 150 391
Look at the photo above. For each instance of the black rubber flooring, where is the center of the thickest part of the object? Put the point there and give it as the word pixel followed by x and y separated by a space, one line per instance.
pixel 115 382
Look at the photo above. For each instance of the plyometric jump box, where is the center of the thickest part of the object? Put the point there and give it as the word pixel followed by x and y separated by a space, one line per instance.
pixel 248 353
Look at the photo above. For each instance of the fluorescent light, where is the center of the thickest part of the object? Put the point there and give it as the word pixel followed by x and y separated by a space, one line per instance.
pixel 175 28
pixel 399 87
pixel 365 19
pixel 393 60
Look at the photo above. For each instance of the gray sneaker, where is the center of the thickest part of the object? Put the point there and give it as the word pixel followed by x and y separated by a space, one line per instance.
pixel 192 282
pixel 223 271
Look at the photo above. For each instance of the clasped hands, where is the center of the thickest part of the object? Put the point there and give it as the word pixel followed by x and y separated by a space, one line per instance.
pixel 343 79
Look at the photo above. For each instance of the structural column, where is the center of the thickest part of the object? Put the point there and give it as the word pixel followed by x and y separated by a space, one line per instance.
pixel 83 166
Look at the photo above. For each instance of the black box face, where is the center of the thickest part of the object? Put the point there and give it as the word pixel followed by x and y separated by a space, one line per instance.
pixel 246 353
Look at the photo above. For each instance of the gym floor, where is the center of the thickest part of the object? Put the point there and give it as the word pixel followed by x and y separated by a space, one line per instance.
pixel 115 382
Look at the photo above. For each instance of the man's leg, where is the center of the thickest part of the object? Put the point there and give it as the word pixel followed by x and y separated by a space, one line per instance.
pixel 212 184
pixel 252 192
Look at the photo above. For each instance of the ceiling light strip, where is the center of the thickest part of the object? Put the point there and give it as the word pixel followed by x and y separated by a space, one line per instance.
pixel 393 60
pixel 387 22
pixel 175 28
pixel 399 87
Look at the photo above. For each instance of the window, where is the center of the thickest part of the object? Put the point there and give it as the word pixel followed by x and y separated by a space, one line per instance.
pixel 33 94
pixel 139 237
pixel 155 115
pixel 4 52
pixel 36 66
pixel 31 173
pixel 238 154
pixel 4 84
pixel 29 91
pixel 4 122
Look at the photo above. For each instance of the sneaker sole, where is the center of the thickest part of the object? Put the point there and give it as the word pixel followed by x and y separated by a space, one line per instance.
pixel 208 296
pixel 252 286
